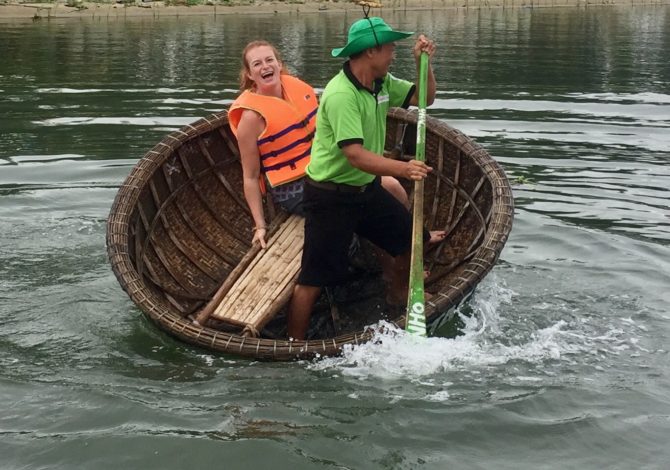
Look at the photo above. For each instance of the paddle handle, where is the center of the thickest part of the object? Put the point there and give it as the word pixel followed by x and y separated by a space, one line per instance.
pixel 416 299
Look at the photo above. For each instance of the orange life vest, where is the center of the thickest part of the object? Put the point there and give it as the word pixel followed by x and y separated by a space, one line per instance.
pixel 285 143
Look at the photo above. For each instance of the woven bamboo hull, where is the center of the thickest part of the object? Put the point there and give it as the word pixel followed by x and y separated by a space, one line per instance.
pixel 179 225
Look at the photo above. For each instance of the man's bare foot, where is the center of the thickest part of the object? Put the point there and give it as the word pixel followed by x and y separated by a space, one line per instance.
pixel 437 236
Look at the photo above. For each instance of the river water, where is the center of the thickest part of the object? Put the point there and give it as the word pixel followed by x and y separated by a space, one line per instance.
pixel 564 363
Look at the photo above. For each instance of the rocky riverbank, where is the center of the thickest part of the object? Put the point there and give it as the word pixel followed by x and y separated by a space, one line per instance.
pixel 81 9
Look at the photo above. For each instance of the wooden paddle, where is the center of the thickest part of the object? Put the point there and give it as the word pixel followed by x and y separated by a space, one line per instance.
pixel 416 302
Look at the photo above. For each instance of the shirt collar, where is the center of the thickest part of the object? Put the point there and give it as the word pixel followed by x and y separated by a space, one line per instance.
pixel 346 68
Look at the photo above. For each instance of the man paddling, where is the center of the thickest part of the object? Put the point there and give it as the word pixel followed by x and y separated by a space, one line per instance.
pixel 343 195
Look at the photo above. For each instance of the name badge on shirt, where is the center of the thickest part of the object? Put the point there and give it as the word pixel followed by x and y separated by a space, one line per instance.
pixel 382 98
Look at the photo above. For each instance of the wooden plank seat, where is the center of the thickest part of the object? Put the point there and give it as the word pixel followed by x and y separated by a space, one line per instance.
pixel 261 283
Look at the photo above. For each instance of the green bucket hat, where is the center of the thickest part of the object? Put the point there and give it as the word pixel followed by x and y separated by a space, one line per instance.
pixel 367 33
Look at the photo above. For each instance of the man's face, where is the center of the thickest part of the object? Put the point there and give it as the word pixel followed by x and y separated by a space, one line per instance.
pixel 383 57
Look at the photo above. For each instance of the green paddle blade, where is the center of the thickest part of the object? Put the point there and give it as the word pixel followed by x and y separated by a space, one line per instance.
pixel 416 319
pixel 416 301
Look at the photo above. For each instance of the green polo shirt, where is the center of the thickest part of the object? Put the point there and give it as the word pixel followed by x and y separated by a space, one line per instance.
pixel 351 113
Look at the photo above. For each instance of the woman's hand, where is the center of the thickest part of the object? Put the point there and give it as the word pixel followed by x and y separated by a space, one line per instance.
pixel 259 236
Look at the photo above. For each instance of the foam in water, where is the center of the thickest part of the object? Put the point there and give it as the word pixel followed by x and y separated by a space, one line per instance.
pixel 392 353
pixel 644 97
pixel 132 121
pixel 493 337
pixel 126 90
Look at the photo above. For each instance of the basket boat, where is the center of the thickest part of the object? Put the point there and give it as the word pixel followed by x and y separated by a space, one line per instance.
pixel 179 226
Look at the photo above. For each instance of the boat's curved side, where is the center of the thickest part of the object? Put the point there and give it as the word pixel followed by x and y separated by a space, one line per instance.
pixel 469 196
pixel 179 225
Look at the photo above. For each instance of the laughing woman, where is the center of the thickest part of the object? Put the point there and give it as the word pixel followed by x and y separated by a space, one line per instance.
pixel 274 120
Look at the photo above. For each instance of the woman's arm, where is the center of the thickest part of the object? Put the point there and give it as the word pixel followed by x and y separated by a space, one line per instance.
pixel 250 127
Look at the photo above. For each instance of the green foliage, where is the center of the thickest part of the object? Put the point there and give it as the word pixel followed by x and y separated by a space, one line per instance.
pixel 188 3
pixel 78 4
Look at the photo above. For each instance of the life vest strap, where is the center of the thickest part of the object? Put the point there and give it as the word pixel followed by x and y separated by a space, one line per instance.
pixel 290 162
pixel 276 153
pixel 292 127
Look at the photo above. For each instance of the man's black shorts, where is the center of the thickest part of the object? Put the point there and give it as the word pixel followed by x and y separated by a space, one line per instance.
pixel 331 219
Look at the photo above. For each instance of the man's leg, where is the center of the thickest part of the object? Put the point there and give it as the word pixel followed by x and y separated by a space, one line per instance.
pixel 386 222
pixel 398 289
pixel 387 262
pixel 330 219
pixel 300 310
pixel 393 186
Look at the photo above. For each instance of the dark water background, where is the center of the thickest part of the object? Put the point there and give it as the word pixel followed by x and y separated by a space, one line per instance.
pixel 564 365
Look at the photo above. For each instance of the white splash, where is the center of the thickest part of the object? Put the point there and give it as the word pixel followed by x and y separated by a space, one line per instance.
pixel 515 343
pixel 494 338
pixel 394 354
